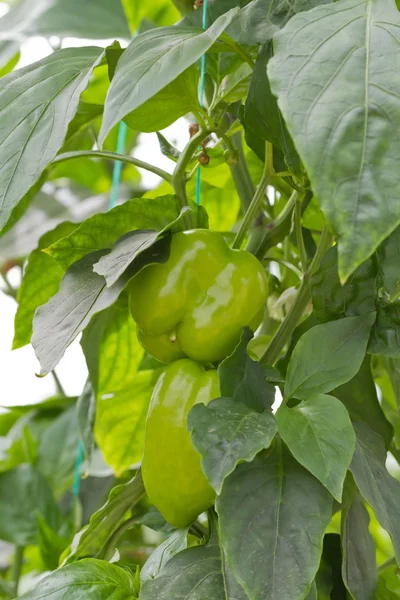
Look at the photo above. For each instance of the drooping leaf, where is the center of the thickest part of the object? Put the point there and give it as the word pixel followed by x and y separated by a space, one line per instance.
pixel 243 379
pixel 41 280
pixel 319 434
pixel 226 432
pixel 350 148
pixel 23 492
pixel 104 229
pixel 120 421
pixel 112 351
pixel 167 148
pixel 175 543
pixel 152 61
pixel 360 397
pixel 264 538
pixel 331 300
pixel 378 488
pixel 327 356
pixel 103 523
pixel 359 561
pixel 30 136
pixel 78 18
pixel 96 578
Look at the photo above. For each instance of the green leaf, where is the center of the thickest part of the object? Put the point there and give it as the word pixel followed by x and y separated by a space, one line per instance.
pixel 226 432
pixel 9 56
pixel 327 356
pixel 103 523
pixel 360 397
pixel 319 434
pixel 350 148
pixel 41 280
pixel 23 493
pixel 385 336
pixel 176 542
pixel 131 246
pixel 166 148
pixel 359 561
pixel 235 86
pixel 86 414
pixel 112 351
pixel 58 448
pixel 104 229
pixel 176 99
pixel 168 52
pixel 242 378
pixel 221 203
pixel 78 18
pixel 261 115
pixel 257 519
pixel 388 256
pixel 383 592
pixel 331 300
pixel 31 137
pixel 51 544
pixel 93 578
pixel 120 421
pixel 378 488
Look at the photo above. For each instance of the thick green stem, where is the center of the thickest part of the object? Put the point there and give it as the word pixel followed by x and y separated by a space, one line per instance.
pixel 17 569
pixel 240 174
pixel 291 320
pixel 113 156
pixel 299 233
pixel 279 229
pixel 198 530
pixel 256 201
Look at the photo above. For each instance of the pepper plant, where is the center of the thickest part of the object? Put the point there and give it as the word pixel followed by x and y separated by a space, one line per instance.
pixel 243 352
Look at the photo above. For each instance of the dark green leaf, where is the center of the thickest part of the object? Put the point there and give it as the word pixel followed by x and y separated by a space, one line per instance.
pixel 388 256
pixel 226 432
pixel 261 115
pixel 91 578
pixel 331 300
pixel 86 413
pixel 31 136
pixel 264 538
pixel 175 543
pixel 327 356
pixel 243 379
pixel 385 336
pixel 359 561
pixel 378 488
pixel 77 18
pixel 361 400
pixel 350 147
pixel 41 280
pixel 23 493
pixel 168 52
pixel 51 544
pixel 103 523
pixel 319 434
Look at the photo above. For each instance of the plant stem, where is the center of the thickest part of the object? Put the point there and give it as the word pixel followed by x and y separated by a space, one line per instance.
pixel 241 175
pixel 299 233
pixel 17 568
pixel 59 386
pixel 289 324
pixel 390 562
pixel 10 290
pixel 113 156
pixel 198 530
pixel 254 204
pixel 279 229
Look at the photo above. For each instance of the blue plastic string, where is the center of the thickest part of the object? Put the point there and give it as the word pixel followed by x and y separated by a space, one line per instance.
pixel 201 96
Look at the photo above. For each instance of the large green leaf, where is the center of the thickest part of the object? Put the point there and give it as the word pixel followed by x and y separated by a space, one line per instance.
pixel 30 136
pixel 112 351
pixel 319 434
pixel 176 542
pixel 360 397
pixel 41 280
pixel 350 147
pixel 327 356
pixel 226 432
pixel 378 488
pixel 359 561
pixel 151 61
pixel 77 18
pixel 103 523
pixel 273 515
pixel 104 229
pixel 120 421
pixel 23 492
pixel 93 578
pixel 242 378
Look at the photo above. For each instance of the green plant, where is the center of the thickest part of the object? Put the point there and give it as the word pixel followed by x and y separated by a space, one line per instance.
pixel 296 142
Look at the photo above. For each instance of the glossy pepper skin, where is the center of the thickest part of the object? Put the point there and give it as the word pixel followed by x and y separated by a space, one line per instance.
pixel 196 303
pixel 171 467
